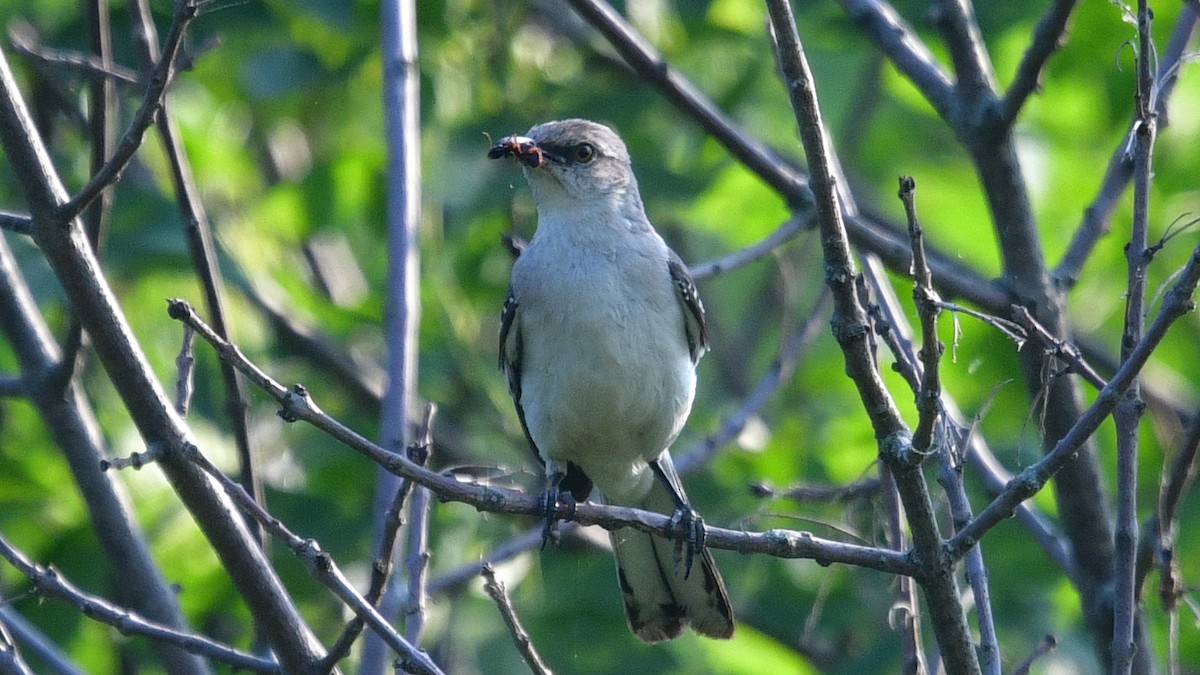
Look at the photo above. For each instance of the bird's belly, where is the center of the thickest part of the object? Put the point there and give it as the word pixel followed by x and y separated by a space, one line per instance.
pixel 611 400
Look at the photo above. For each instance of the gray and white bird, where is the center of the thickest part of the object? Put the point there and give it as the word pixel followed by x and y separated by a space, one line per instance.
pixel 599 338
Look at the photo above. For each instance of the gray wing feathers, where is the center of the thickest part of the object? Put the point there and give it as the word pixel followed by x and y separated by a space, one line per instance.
pixel 695 330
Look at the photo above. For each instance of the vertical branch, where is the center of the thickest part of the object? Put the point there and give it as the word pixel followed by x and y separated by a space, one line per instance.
pixel 401 101
pixel 1128 413
pixel 947 615
pixel 929 409
pixel 928 307
pixel 418 535
pixel 910 601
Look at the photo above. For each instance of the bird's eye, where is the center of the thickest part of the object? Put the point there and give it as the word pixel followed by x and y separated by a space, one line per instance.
pixel 584 152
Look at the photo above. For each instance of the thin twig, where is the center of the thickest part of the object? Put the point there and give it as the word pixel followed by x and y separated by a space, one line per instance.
pixel 1178 302
pixel 37 643
pixel 184 364
pixel 742 257
pixel 381 570
pixel 321 566
pixel 1044 647
pixel 869 232
pixel 495 589
pixel 1048 36
pixel 862 489
pixel 780 372
pixel 926 300
pixel 185 11
pixel 418 535
pixel 48 580
pixel 1128 413
pixel 1060 349
pixel 297 404
pixel 91 65
pixel 1097 216
pixel 18 223
pixel 11 661
pixel 198 233
pixel 75 266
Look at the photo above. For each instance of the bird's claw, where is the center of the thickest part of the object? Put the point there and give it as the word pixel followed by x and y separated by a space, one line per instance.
pixel 549 503
pixel 690 536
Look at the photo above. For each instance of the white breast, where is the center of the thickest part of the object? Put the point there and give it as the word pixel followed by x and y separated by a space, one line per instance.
pixel 607 381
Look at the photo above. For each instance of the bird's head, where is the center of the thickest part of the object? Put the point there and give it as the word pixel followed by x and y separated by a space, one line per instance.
pixel 572 161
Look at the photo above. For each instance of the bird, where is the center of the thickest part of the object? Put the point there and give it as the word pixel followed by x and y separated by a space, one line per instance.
pixel 600 335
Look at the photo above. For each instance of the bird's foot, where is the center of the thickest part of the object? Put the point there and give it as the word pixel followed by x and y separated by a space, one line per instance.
pixel 549 503
pixel 690 536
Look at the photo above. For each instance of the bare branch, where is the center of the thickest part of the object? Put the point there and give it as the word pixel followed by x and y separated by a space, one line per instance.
pixel 321 566
pixel 92 65
pixel 975 81
pixel 1177 303
pixel 1048 36
pixel 882 25
pixel 869 232
pixel 185 11
pixel 198 232
pixel 75 265
pixel 418 535
pixel 48 580
pixel 16 222
pixel 393 520
pixel 402 115
pixel 1058 348
pixel 1097 216
pixel 1044 647
pixel 529 654
pixel 742 257
pixel 850 330
pixel 184 363
pixel 1128 413
pixel 862 489
pixel 298 405
pixel 36 643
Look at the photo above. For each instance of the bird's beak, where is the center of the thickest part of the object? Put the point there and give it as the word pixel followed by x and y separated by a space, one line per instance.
pixel 522 148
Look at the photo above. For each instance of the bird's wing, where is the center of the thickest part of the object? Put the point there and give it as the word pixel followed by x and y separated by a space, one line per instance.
pixel 695 330
pixel 511 355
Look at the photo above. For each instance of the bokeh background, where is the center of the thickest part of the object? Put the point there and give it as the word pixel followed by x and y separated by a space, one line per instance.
pixel 281 114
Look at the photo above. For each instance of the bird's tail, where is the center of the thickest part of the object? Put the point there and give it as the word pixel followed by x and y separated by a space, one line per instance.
pixel 659 601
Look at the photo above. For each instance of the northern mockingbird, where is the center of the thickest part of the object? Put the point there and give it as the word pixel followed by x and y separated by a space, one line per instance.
pixel 599 337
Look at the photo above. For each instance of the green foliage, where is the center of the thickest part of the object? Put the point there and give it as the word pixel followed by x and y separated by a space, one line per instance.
pixel 283 125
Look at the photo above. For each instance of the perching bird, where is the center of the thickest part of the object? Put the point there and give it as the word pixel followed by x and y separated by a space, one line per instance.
pixel 599 337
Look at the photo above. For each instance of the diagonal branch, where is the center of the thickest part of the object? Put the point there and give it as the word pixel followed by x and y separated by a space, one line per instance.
pixel 185 11
pixel 198 232
pixel 976 79
pixel 1176 304
pixel 49 580
pixel 872 233
pixel 899 42
pixel 1048 36
pixel 75 265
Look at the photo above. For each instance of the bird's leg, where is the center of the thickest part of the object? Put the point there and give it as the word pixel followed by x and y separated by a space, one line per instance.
pixel 686 524
pixel 551 499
